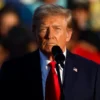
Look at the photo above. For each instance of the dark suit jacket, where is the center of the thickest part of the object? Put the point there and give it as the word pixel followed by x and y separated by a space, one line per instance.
pixel 81 78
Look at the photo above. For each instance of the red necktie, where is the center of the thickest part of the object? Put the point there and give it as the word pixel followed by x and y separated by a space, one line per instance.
pixel 52 84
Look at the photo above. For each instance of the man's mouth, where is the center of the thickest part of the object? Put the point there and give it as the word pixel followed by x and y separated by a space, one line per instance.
pixel 50 43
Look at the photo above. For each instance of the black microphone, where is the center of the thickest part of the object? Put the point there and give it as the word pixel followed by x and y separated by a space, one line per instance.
pixel 58 55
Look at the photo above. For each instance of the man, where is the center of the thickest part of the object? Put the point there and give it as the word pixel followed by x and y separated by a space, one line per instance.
pixel 79 77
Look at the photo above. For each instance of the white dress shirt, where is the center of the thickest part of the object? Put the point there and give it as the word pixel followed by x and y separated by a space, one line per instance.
pixel 45 70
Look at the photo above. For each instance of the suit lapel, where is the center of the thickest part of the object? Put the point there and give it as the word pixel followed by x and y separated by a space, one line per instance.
pixel 70 75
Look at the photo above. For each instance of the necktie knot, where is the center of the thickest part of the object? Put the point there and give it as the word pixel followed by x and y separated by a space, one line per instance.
pixel 52 64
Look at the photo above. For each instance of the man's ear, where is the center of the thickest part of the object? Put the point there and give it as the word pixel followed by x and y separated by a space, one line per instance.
pixel 69 34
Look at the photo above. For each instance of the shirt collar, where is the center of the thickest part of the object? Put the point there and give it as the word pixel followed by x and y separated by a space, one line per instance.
pixel 44 61
pixel 44 58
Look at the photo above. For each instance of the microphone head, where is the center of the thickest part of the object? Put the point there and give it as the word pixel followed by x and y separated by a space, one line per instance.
pixel 58 54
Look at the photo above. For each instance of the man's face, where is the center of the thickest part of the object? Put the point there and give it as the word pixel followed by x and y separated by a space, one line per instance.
pixel 52 31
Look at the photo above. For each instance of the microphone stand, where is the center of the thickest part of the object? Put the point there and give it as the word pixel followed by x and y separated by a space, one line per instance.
pixel 59 78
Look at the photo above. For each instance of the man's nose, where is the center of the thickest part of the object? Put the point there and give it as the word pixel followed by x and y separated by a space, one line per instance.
pixel 49 33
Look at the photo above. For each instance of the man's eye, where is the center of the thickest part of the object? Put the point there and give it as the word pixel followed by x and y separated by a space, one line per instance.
pixel 58 28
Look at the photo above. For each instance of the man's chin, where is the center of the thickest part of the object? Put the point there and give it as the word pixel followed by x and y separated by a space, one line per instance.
pixel 47 49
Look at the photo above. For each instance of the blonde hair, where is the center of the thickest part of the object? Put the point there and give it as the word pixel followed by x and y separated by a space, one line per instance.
pixel 50 10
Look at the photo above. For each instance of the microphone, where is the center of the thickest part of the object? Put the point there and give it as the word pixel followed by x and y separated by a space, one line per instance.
pixel 58 55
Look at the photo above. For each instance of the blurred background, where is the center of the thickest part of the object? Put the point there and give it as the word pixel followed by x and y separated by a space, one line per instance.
pixel 17 39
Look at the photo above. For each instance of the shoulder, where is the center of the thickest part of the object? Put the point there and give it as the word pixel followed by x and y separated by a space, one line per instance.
pixel 19 62
pixel 22 59
pixel 86 68
pixel 16 65
pixel 82 62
